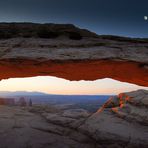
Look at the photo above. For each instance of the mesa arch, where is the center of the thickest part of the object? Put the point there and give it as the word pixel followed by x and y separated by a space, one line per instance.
pixel 90 57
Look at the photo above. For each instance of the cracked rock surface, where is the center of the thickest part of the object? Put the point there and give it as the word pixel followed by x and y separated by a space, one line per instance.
pixel 123 120
pixel 20 128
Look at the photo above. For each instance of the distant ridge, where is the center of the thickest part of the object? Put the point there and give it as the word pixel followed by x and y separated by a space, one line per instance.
pixel 47 30
pixel 21 93
pixel 53 31
pixel 37 93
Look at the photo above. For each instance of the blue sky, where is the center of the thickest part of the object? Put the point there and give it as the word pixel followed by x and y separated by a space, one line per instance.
pixel 117 17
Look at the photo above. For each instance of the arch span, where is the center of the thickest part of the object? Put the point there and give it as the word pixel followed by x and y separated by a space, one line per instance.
pixel 90 57
pixel 127 62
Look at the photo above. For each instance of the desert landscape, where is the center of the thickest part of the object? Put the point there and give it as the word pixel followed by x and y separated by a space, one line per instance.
pixel 73 74
pixel 121 122
pixel 66 51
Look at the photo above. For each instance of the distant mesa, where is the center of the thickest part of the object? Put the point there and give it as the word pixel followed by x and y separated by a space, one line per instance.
pixel 22 101
pixel 49 31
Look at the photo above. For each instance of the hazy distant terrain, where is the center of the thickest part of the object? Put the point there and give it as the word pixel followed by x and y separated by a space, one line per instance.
pixel 88 102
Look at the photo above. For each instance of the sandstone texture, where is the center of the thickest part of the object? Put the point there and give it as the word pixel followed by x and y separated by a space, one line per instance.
pixel 121 122
pixel 72 53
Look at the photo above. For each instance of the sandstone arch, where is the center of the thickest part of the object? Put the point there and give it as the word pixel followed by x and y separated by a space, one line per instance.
pixel 90 57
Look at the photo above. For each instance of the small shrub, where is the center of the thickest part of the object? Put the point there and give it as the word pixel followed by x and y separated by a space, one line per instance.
pixel 26 35
pixel 45 33
pixel 5 35
pixel 75 36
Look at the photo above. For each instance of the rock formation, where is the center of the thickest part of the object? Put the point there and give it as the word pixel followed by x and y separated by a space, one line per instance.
pixel 68 52
pixel 22 102
pixel 121 122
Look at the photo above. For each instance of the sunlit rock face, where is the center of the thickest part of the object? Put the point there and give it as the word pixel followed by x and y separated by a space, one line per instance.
pixel 68 52
pixel 121 122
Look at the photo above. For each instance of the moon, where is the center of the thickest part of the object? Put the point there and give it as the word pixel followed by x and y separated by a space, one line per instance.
pixel 145 18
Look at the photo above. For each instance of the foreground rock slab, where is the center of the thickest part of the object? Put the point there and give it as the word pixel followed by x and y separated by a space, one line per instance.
pixel 22 129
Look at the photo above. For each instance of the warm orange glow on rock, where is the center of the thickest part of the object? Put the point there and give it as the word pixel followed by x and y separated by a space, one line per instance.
pixel 75 70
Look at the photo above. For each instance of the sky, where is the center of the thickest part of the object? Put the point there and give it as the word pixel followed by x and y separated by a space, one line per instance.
pixel 53 85
pixel 116 17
